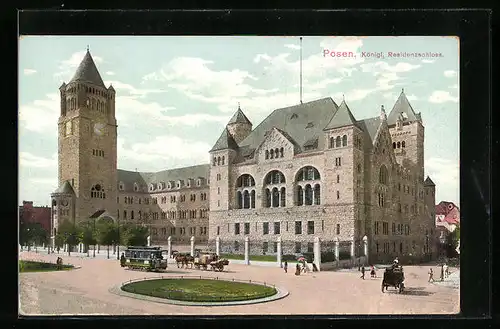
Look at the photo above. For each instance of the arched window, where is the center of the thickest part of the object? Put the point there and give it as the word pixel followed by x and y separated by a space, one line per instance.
pixel 124 214
pixel 403 144
pixel 332 142
pixel 214 161
pixel 281 152
pixel 267 154
pixel 306 194
pixel 399 145
pixel 275 195
pixel 218 161
pixel 223 159
pixel 317 194
pixel 344 140
pixel 97 192
pixel 132 214
pixel 272 154
pixel 276 152
pixel 393 145
pixel 337 142
pixel 300 196
pixel 382 178
pixel 307 173
pixel 245 192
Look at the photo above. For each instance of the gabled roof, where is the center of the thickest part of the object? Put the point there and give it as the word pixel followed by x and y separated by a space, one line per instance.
pixel 225 141
pixel 301 123
pixel 239 117
pixel 402 105
pixel 170 175
pixel 428 182
pixel 343 117
pixel 87 72
pixel 65 188
pixel 369 127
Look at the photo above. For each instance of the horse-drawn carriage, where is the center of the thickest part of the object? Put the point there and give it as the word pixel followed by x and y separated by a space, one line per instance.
pixel 394 277
pixel 144 258
pixel 202 261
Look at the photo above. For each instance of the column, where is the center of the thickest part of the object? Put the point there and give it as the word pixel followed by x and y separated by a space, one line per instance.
pixel 314 194
pixel 149 240
pixel 247 258
pixel 279 197
pixel 303 196
pixel 242 199
pixel 317 252
pixel 278 251
pixel 192 245
pixel 365 245
pixel 169 247
pixel 272 197
pixel 336 249
pixel 217 245
pixel 353 242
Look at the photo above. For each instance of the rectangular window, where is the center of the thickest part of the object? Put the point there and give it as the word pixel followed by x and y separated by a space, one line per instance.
pixel 338 228
pixel 298 247
pixel 275 246
pixel 310 227
pixel 277 228
pixel 310 247
pixel 322 226
pixel 338 178
pixel 218 230
pixel 393 228
pixel 338 195
pixel 298 227
pixel 265 247
pixel 247 228
pixel 265 228
pixel 237 228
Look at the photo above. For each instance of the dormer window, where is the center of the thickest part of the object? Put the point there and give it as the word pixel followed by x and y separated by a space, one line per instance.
pixel 294 116
pixel 310 125
pixel 121 186
pixel 136 187
pixel 198 182
pixel 151 187
pixel 404 116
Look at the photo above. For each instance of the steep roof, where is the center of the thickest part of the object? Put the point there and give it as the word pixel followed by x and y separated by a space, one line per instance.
pixel 343 117
pixel 302 123
pixel 428 182
pixel 87 72
pixel 402 105
pixel 239 117
pixel 146 178
pixel 65 188
pixel 225 141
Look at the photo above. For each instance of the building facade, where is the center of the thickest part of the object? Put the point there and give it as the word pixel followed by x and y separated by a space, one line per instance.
pixel 306 171
pixel 313 170
pixel 29 214
pixel 171 202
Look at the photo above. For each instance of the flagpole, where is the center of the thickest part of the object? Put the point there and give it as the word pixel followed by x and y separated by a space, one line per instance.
pixel 300 70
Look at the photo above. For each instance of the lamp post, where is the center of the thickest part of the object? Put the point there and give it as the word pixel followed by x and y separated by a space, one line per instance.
pixel 95 240
pixel 118 244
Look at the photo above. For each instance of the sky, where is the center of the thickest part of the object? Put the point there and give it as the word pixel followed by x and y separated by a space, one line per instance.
pixel 174 95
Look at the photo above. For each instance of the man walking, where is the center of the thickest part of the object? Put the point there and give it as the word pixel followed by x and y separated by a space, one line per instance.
pixel 431 275
pixel 363 272
pixel 285 267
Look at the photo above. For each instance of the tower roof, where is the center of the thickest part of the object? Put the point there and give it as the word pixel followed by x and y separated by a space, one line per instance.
pixel 225 141
pixel 87 72
pixel 65 188
pixel 402 106
pixel 428 182
pixel 343 117
pixel 239 117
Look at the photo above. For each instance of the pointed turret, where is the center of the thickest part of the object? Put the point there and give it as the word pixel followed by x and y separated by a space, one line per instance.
pixel 383 115
pixel 402 108
pixel 87 72
pixel 428 182
pixel 225 141
pixel 239 126
pixel 342 118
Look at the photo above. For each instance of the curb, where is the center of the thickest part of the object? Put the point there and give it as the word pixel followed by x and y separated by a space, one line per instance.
pixel 281 293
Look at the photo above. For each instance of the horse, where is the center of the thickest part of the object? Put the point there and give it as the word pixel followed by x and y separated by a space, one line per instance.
pixel 180 259
pixel 189 260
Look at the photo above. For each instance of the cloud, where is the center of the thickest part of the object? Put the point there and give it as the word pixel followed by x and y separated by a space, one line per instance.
pixel 40 115
pixel 194 119
pixel 394 96
pixel 440 96
pixel 292 46
pixel 110 73
pixel 450 73
pixel 29 71
pixel 455 86
pixel 29 160
pixel 154 154
pixel 121 87
pixel 446 175
pixel 68 66
pixel 428 61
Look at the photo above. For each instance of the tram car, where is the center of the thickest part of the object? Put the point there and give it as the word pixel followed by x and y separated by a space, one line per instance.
pixel 151 259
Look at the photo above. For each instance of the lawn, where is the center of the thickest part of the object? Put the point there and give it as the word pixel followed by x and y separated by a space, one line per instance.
pixel 199 290
pixel 34 266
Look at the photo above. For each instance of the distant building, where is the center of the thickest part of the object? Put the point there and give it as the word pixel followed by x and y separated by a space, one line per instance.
pixel 447 219
pixel 30 214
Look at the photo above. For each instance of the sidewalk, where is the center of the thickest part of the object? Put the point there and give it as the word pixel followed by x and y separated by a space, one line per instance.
pixel 453 281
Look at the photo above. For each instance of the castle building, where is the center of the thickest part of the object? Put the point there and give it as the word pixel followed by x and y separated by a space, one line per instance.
pixel 313 170
pixel 306 171
pixel 171 202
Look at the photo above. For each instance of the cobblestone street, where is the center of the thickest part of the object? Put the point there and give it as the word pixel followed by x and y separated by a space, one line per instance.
pixel 85 291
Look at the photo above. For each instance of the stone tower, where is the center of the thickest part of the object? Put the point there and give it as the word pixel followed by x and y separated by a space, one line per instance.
pixel 239 126
pixel 87 137
pixel 407 132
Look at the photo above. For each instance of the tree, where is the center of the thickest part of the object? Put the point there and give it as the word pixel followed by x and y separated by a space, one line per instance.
pixel 70 234
pixel 135 235
pixel 87 235
pixel 107 233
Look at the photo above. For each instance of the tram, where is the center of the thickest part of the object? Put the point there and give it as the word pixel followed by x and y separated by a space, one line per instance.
pixel 144 258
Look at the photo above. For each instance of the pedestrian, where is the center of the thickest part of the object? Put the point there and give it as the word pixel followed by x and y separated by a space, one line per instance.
pixel 431 275
pixel 442 272
pixel 297 269
pixel 362 272
pixel 372 271
pixel 445 267
pixel 285 267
